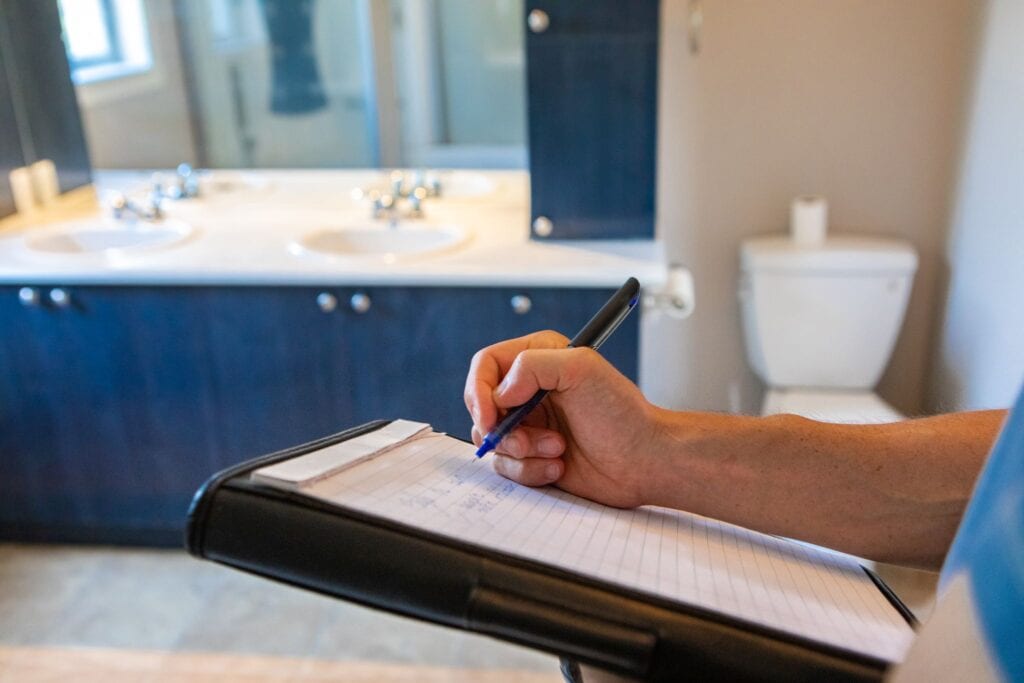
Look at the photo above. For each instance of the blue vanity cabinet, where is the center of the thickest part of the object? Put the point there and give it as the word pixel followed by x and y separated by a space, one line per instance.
pixel 419 343
pixel 592 75
pixel 116 403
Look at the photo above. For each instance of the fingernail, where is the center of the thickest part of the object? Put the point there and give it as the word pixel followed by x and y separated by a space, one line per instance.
pixel 551 471
pixel 549 445
pixel 502 386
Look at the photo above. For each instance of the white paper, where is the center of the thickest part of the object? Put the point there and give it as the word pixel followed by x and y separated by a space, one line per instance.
pixel 311 467
pixel 436 483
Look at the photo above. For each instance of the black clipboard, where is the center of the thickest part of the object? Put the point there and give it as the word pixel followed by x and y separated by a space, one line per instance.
pixel 348 554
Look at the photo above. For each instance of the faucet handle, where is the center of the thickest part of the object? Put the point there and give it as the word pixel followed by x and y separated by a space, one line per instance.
pixel 118 205
pixel 416 203
pixel 398 183
pixel 383 204
pixel 188 180
pixel 123 208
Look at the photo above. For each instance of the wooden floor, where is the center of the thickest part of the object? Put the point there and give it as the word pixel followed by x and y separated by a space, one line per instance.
pixel 102 614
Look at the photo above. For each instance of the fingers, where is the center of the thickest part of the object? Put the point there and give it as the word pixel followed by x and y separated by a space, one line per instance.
pixel 551 369
pixel 528 455
pixel 529 471
pixel 489 365
pixel 532 442
pixel 527 442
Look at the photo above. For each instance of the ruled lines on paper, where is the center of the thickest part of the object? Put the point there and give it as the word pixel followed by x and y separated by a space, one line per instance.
pixel 436 484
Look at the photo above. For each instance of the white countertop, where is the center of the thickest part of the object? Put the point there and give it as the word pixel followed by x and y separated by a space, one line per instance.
pixel 242 237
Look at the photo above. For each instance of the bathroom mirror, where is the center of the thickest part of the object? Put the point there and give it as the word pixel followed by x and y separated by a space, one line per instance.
pixel 300 83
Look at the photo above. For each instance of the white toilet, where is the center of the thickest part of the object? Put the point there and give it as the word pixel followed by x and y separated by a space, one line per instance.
pixel 820 322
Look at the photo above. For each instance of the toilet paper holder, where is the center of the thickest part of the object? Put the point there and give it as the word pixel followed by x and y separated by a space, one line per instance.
pixel 676 298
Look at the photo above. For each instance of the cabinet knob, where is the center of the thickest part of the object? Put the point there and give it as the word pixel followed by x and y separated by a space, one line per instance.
pixel 542 226
pixel 326 301
pixel 521 304
pixel 29 296
pixel 60 297
pixel 360 302
pixel 538 20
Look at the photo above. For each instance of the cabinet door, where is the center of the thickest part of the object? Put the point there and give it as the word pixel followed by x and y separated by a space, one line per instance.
pixel 592 98
pixel 416 344
pixel 113 411
pixel 83 416
pixel 276 368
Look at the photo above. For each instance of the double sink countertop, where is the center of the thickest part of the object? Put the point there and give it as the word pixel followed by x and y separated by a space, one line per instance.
pixel 287 228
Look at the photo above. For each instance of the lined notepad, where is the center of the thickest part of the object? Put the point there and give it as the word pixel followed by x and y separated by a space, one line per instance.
pixel 435 483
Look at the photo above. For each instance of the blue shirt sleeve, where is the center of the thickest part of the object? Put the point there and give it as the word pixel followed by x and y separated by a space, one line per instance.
pixel 989 548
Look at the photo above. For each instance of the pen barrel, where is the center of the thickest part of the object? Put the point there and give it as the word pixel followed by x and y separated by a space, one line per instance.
pixel 516 415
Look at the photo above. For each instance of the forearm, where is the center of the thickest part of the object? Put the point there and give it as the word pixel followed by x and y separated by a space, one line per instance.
pixel 893 492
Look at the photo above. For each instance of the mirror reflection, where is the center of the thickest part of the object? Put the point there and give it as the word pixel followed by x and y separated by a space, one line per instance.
pixel 300 83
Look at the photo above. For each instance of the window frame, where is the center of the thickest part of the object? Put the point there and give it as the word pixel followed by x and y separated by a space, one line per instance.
pixel 128 35
pixel 114 54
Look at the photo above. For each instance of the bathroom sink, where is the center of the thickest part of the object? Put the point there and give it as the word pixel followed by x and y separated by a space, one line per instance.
pixel 380 242
pixel 106 237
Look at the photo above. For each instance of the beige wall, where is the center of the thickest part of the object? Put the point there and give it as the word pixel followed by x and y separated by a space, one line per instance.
pixel 980 361
pixel 859 100
pixel 142 121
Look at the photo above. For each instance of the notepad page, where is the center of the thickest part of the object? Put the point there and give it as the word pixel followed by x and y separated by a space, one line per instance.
pixel 437 484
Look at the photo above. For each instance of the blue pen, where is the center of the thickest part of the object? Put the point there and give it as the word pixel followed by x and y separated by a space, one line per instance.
pixel 593 334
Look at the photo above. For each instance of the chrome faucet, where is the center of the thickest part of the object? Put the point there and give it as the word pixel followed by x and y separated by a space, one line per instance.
pixel 184 185
pixel 402 201
pixel 124 209
pixel 429 181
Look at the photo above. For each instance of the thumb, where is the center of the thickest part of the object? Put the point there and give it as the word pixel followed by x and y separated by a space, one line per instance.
pixel 534 369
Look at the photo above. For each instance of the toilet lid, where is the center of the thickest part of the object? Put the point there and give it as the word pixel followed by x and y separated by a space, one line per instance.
pixel 837 254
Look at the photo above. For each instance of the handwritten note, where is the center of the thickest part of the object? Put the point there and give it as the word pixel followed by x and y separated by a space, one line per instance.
pixel 435 483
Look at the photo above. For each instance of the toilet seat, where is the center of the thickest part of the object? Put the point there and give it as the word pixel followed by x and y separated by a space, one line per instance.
pixel 846 407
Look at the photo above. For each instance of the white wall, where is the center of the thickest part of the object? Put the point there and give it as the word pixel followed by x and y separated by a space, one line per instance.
pixel 980 362
pixel 859 100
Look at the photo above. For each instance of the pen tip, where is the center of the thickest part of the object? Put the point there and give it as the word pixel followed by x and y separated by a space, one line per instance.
pixel 484 448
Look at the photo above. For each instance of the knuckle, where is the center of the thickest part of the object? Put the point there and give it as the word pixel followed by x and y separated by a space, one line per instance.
pixel 523 358
pixel 553 338
pixel 478 358
pixel 504 466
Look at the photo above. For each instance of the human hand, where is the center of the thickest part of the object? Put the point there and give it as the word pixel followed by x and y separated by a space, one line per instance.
pixel 591 436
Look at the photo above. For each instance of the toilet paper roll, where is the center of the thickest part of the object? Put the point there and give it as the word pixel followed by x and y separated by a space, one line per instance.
pixel 808 219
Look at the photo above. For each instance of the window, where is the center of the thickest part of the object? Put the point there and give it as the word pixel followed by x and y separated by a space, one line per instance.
pixel 89 30
pixel 105 38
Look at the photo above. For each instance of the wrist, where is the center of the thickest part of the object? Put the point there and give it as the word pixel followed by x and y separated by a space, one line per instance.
pixel 697 461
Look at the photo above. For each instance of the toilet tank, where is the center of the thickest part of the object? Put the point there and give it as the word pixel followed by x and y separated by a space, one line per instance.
pixel 825 316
